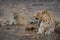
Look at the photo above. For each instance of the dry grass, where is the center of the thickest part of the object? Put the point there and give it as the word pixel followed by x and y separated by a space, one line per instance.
pixel 20 32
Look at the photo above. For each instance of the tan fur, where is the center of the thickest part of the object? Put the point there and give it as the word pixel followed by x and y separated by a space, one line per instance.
pixel 20 19
pixel 47 21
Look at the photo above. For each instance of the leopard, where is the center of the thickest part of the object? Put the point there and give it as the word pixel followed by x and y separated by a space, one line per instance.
pixel 47 22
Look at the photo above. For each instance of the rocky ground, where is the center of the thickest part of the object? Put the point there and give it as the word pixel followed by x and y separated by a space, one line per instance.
pixel 27 8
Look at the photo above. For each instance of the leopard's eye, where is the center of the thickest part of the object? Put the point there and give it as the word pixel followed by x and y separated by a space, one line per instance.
pixel 36 18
